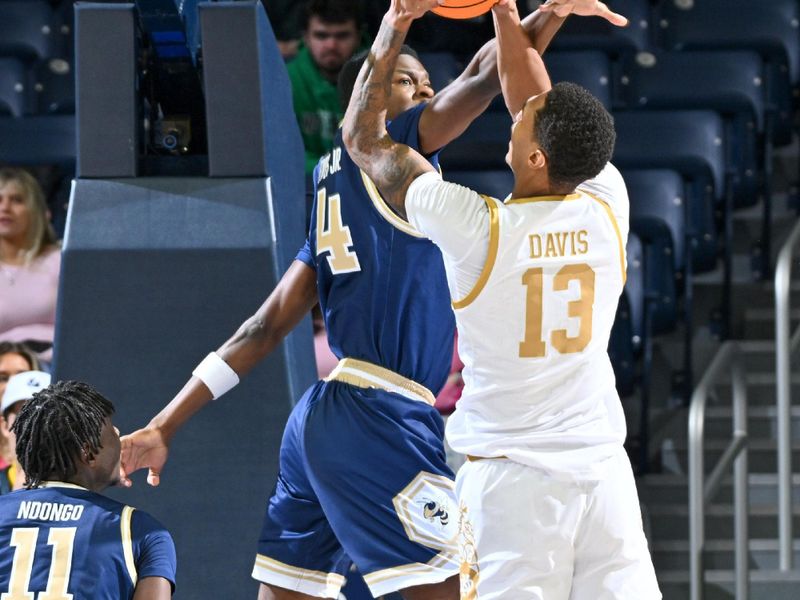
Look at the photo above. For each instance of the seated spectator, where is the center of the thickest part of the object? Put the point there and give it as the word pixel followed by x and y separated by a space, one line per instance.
pixel 14 358
pixel 284 16
pixel 332 34
pixel 59 537
pixel 30 259
pixel 21 388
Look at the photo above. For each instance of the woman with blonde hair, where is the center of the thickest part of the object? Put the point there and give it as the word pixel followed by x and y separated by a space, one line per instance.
pixel 30 259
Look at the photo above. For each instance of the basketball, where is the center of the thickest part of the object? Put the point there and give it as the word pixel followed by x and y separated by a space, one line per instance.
pixel 464 9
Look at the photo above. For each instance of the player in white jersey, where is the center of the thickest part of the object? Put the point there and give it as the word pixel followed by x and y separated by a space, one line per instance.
pixel 550 506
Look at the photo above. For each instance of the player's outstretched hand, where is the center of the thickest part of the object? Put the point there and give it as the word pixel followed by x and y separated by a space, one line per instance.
pixel 584 8
pixel 506 7
pixel 143 448
pixel 413 9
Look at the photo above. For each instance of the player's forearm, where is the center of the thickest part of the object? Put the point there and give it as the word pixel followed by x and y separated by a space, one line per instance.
pixel 293 298
pixel 391 166
pixel 522 72
pixel 540 27
pixel 364 128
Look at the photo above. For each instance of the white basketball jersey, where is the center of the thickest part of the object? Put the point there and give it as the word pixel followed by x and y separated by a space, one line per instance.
pixel 533 333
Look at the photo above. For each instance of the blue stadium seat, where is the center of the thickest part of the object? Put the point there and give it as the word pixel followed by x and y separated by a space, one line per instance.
pixel 26 29
pixel 482 146
pixel 496 183
pixel 55 87
pixel 626 334
pixel 691 142
pixel 729 82
pixel 768 27
pixel 443 68
pixel 13 87
pixel 590 69
pixel 599 34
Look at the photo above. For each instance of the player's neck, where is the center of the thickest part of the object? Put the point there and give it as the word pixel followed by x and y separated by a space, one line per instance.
pixel 87 478
pixel 533 187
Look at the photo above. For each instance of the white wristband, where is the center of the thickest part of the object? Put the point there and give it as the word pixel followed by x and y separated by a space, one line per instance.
pixel 216 374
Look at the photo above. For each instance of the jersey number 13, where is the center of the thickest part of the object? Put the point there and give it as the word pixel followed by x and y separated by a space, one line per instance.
pixel 533 345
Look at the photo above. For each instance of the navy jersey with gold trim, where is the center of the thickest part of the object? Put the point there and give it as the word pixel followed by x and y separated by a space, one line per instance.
pixel 382 285
pixel 64 541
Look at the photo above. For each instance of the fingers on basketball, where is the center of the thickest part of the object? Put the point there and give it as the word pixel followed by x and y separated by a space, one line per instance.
pixel 463 9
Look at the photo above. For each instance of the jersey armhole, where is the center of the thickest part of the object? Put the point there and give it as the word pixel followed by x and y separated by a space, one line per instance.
pixel 127 542
pixel 615 225
pixel 491 257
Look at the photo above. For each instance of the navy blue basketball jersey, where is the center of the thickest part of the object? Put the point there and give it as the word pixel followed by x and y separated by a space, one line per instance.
pixel 63 541
pixel 382 285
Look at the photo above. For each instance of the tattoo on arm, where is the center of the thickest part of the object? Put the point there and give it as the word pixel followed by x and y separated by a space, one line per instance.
pixel 391 166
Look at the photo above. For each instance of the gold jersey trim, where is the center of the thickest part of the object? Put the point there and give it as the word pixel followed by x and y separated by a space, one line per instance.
pixel 127 542
pixel 279 568
pixel 386 212
pixel 363 374
pixel 544 199
pixel 491 257
pixel 437 563
pixel 61 484
pixel 613 220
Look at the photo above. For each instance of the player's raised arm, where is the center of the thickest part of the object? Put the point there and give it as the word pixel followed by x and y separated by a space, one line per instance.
pixel 453 108
pixel 522 72
pixel 391 166
pixel 292 299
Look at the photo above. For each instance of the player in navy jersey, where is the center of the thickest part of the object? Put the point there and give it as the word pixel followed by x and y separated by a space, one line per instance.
pixel 363 476
pixel 59 538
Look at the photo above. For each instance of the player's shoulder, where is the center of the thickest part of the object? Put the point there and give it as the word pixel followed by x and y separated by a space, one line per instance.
pixel 608 186
pixel 143 523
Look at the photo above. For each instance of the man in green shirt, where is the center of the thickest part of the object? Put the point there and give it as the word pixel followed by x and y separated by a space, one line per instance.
pixel 332 34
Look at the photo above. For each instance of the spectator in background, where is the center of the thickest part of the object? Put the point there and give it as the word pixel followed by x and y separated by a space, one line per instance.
pixel 332 34
pixel 30 259
pixel 21 388
pixel 285 16
pixel 14 358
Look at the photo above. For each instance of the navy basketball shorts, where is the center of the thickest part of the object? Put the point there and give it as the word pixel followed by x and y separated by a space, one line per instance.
pixel 362 479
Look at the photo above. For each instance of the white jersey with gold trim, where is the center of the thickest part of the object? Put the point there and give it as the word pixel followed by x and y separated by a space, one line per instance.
pixel 534 329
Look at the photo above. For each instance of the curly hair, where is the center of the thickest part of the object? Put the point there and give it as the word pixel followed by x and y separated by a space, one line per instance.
pixel 56 426
pixel 576 133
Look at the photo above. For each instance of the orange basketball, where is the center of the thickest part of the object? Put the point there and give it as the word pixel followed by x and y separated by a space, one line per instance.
pixel 464 9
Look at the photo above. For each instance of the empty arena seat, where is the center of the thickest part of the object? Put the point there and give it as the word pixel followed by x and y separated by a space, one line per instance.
pixel 13 87
pixel 691 142
pixel 729 82
pixel 496 183
pixel 770 28
pixel 26 29
pixel 55 87
pixel 482 146
pixel 590 69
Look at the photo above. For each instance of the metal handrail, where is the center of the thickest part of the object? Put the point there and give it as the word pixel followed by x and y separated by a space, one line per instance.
pixel 784 345
pixel 726 362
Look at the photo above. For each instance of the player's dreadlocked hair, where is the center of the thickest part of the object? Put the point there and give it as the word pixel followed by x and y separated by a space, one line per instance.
pixel 55 427
pixel 577 134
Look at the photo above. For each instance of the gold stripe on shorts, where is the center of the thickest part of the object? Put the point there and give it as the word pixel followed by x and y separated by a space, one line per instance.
pixel 363 374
